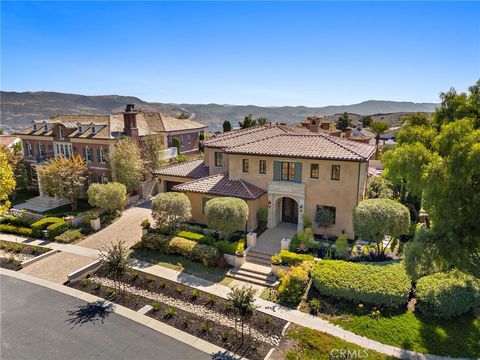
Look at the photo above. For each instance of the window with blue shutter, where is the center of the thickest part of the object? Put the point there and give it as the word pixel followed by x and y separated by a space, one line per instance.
pixel 298 172
pixel 277 170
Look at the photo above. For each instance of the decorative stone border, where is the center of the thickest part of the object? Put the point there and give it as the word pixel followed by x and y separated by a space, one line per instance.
pixel 38 258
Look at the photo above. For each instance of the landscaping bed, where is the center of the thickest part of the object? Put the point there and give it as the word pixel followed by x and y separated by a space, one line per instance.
pixel 196 312
pixel 13 254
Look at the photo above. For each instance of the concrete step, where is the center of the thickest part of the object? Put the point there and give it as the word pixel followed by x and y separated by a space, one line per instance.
pixel 258 261
pixel 258 269
pixel 250 279
pixel 260 254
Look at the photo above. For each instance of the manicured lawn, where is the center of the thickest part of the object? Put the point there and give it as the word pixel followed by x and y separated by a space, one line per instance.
pixel 307 344
pixel 180 263
pixel 459 337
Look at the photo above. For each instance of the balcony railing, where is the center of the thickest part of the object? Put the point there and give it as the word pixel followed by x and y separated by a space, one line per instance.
pixel 168 153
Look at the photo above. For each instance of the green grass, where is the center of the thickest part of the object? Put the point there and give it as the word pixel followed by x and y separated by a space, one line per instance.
pixel 309 344
pixel 459 337
pixel 179 263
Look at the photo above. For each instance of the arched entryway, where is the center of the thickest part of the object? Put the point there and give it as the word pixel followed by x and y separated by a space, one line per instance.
pixel 289 210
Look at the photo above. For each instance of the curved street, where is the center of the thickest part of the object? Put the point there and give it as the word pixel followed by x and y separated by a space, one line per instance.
pixel 39 324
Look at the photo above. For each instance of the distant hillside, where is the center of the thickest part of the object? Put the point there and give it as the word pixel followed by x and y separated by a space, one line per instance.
pixel 19 109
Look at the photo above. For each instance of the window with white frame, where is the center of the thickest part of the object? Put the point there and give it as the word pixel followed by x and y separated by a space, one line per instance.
pixel 188 139
pixel 88 154
pixel 41 150
pixel 102 156
pixel 60 132
pixel 29 149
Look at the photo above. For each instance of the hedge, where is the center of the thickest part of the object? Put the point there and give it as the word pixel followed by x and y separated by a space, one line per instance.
pixel 230 247
pixel 16 221
pixel 199 238
pixel 40 225
pixel 293 284
pixel 57 228
pixel 291 259
pixel 446 295
pixel 69 236
pixel 19 230
pixel 177 245
pixel 372 283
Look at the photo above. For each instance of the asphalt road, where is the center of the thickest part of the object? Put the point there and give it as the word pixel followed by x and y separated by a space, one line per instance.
pixel 41 324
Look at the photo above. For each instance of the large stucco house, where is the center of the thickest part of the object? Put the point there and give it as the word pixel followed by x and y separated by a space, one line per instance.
pixel 289 171
pixel 93 136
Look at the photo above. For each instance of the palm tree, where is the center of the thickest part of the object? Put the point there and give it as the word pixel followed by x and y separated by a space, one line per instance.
pixel 378 128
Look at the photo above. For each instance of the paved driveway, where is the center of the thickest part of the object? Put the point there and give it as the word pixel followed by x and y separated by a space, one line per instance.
pixel 127 228
pixel 42 324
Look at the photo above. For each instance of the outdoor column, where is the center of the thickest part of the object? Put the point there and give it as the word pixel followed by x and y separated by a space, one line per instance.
pixel 301 210
pixel 271 212
pixel 39 183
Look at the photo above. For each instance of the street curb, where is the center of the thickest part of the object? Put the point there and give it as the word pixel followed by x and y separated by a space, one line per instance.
pixel 153 324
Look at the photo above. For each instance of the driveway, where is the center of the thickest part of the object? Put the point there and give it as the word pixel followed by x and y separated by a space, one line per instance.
pixel 39 323
pixel 127 228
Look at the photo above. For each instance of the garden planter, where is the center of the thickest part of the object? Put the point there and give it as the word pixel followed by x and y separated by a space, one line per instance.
pixel 239 260
pixel 251 239
pixel 275 268
pixel 95 224
pixel 285 244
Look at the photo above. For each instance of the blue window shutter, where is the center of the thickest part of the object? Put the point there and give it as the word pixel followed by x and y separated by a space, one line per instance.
pixel 298 172
pixel 277 169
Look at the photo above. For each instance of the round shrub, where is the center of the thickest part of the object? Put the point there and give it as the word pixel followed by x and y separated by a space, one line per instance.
pixel 293 284
pixel 372 283
pixel 170 209
pixel 110 196
pixel 226 214
pixel 446 295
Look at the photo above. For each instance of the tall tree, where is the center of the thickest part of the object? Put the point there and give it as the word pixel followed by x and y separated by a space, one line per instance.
pixel 248 121
pixel 65 177
pixel 151 146
pixel 366 120
pixel 7 180
pixel 126 164
pixel 378 128
pixel 227 126
pixel 441 165
pixel 343 122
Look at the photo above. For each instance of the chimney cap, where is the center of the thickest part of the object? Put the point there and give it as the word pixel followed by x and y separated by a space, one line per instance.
pixel 130 108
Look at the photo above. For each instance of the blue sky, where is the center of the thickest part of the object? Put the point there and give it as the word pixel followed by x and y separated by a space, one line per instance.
pixel 268 53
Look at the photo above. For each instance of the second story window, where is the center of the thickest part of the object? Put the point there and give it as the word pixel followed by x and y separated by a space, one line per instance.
pixel 245 165
pixel 336 172
pixel 60 133
pixel 314 171
pixel 88 154
pixel 102 156
pixel 288 171
pixel 218 159
pixel 41 150
pixel 29 149
pixel 262 167
pixel 188 139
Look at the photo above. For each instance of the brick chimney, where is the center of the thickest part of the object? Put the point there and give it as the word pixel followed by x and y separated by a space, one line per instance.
pixel 130 122
pixel 325 125
pixel 348 132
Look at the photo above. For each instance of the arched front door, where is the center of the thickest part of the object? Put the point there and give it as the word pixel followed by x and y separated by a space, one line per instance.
pixel 289 210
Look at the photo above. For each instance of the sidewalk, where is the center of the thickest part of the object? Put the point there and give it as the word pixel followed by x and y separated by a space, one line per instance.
pixel 267 307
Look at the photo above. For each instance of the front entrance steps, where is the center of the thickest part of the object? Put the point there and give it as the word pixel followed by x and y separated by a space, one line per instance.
pixel 42 203
pixel 254 274
pixel 259 257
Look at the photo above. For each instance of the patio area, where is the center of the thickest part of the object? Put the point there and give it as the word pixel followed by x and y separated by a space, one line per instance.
pixel 269 241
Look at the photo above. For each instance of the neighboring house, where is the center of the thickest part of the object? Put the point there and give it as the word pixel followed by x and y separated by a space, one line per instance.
pixel 93 136
pixel 291 171
pixel 9 141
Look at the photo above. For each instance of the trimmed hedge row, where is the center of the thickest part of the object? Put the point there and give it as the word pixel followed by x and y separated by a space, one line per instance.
pixel 69 236
pixel 293 284
pixel 201 239
pixel 177 245
pixel 46 223
pixel 292 259
pixel 372 283
pixel 229 247
pixel 16 221
pixel 446 295
pixel 18 230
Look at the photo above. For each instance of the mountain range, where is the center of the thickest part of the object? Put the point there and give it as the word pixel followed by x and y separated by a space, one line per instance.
pixel 18 109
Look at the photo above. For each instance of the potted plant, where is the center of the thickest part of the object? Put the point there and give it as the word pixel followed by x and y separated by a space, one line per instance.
pixel 145 226
pixel 95 221
pixel 239 257
pixel 276 263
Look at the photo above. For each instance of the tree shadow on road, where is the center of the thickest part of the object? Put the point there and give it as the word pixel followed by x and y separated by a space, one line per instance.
pixel 90 313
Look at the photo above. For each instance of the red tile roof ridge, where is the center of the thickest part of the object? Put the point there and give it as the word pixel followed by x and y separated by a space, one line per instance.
pixel 334 140
pixel 244 183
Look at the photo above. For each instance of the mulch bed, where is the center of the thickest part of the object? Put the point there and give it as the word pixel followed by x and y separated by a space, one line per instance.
pixel 9 264
pixel 210 331
pixel 265 323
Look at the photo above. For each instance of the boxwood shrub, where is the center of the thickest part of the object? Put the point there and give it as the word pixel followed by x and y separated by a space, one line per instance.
pixel 446 295
pixel 230 247
pixel 200 238
pixel 291 259
pixel 293 284
pixel 16 221
pixel 372 283
pixel 57 228
pixel 69 236
pixel 155 241
pixel 18 230
pixel 42 224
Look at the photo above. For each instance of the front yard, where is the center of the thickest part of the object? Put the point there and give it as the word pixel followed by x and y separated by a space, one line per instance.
pixel 13 254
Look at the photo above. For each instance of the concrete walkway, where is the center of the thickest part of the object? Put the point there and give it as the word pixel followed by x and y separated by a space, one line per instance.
pixel 267 307
pixel 269 241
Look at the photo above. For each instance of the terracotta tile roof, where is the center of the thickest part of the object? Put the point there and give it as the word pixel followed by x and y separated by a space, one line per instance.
pixel 221 184
pixel 191 169
pixel 243 136
pixel 7 139
pixel 316 146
